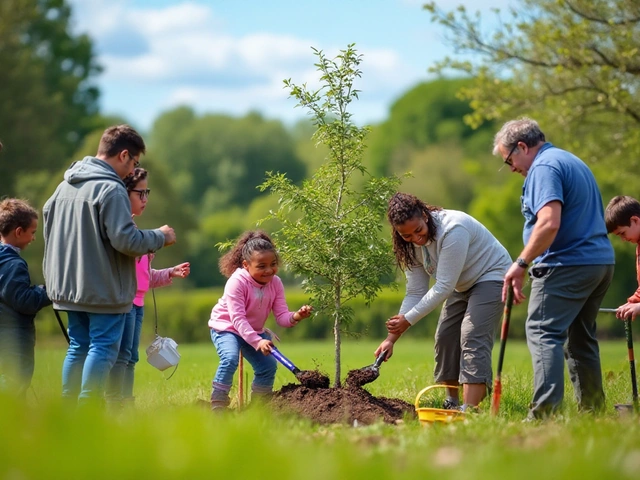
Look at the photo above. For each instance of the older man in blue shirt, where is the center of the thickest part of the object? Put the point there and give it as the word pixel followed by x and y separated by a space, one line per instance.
pixel 571 260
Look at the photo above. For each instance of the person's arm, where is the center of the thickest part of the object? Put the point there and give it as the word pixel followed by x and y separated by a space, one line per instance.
pixel 18 292
pixel 543 234
pixel 284 317
pixel 124 235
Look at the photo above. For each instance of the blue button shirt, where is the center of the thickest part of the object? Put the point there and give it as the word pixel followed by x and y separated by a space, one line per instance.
pixel 557 175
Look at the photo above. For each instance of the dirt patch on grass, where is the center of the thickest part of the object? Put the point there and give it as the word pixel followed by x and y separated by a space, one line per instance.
pixel 340 405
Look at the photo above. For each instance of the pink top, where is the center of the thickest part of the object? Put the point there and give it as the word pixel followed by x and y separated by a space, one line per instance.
pixel 246 304
pixel 149 278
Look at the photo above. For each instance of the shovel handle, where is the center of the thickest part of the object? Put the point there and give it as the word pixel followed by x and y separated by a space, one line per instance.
pixel 380 359
pixel 632 360
pixel 284 360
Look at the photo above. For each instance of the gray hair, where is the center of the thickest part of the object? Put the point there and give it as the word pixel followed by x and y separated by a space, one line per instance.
pixel 523 130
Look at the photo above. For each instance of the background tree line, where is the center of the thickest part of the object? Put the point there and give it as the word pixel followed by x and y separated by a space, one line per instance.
pixel 570 64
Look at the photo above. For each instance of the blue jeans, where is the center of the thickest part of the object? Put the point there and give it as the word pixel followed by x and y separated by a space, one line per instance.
pixel 120 381
pixel 229 346
pixel 95 341
pixel 127 384
pixel 561 323
pixel 17 344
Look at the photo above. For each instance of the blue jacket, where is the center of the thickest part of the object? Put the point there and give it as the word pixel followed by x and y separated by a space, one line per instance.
pixel 19 300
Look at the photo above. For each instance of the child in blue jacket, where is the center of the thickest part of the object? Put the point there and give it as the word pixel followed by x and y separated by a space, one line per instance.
pixel 19 300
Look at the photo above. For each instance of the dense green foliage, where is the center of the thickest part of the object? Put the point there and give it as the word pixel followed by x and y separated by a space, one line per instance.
pixel 48 96
pixel 572 64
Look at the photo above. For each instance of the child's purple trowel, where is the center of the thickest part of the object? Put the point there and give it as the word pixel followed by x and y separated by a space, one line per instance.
pixel 308 378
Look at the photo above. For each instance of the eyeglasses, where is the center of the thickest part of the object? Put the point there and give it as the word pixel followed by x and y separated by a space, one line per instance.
pixel 508 160
pixel 143 193
pixel 136 163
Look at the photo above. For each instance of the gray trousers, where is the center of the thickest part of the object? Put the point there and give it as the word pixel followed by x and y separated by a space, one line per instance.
pixel 561 323
pixel 466 332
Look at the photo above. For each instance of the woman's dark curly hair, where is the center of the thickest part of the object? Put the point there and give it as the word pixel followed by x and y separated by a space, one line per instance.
pixel 249 242
pixel 404 207
pixel 132 180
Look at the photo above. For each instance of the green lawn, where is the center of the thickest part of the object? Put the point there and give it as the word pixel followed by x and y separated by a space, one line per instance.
pixel 168 435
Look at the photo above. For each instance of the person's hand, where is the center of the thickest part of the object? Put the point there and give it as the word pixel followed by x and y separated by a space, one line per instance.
pixel 265 346
pixel 169 235
pixel 385 345
pixel 397 325
pixel 515 278
pixel 183 270
pixel 628 310
pixel 303 312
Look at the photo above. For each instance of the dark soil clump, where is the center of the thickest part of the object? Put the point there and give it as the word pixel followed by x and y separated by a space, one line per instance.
pixel 360 377
pixel 313 379
pixel 340 405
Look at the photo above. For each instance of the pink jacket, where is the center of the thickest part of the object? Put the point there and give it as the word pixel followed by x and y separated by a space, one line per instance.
pixel 246 304
pixel 149 278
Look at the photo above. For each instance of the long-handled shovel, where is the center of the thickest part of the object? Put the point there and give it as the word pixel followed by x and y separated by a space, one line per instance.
pixel 64 330
pixel 632 363
pixel 504 333
pixel 623 407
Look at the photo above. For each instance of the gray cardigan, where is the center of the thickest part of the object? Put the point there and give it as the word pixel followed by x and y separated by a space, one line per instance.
pixel 462 254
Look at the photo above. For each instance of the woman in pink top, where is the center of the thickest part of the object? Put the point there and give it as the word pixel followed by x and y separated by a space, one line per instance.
pixel 237 321
pixel 121 377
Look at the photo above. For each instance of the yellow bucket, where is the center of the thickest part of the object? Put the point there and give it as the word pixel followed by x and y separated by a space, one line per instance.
pixel 428 416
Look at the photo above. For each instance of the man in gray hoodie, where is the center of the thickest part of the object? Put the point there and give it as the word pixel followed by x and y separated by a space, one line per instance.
pixel 89 261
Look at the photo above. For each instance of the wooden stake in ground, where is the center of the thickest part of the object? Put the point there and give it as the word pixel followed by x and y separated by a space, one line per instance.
pixel 240 382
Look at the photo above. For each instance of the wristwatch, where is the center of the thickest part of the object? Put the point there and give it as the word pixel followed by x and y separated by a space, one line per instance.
pixel 521 263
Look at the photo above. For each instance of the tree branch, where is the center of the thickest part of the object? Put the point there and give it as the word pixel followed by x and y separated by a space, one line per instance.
pixel 605 21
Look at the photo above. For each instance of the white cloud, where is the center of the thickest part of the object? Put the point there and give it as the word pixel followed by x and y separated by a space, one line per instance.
pixel 184 50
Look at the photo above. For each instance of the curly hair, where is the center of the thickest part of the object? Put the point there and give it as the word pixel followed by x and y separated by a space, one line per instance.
pixel 15 213
pixel 132 180
pixel 247 243
pixel 403 207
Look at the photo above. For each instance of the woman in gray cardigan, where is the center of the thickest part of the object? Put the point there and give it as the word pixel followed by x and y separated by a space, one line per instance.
pixel 468 264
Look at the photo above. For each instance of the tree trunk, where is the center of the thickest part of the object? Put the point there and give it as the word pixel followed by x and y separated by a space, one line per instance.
pixel 336 335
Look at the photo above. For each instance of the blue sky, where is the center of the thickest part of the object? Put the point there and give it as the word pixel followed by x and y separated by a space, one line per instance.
pixel 230 56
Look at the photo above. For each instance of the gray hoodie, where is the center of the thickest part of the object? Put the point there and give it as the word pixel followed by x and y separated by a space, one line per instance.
pixel 90 241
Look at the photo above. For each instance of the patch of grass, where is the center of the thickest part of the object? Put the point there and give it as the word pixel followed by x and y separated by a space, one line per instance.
pixel 167 435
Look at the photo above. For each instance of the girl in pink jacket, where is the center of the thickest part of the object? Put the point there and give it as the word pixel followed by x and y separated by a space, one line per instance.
pixel 121 378
pixel 237 321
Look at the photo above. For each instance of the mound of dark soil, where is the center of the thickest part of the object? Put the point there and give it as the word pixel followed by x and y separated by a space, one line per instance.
pixel 358 378
pixel 340 405
pixel 313 379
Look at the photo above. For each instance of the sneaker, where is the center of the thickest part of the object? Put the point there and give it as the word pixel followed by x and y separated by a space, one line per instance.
pixel 450 404
pixel 466 408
